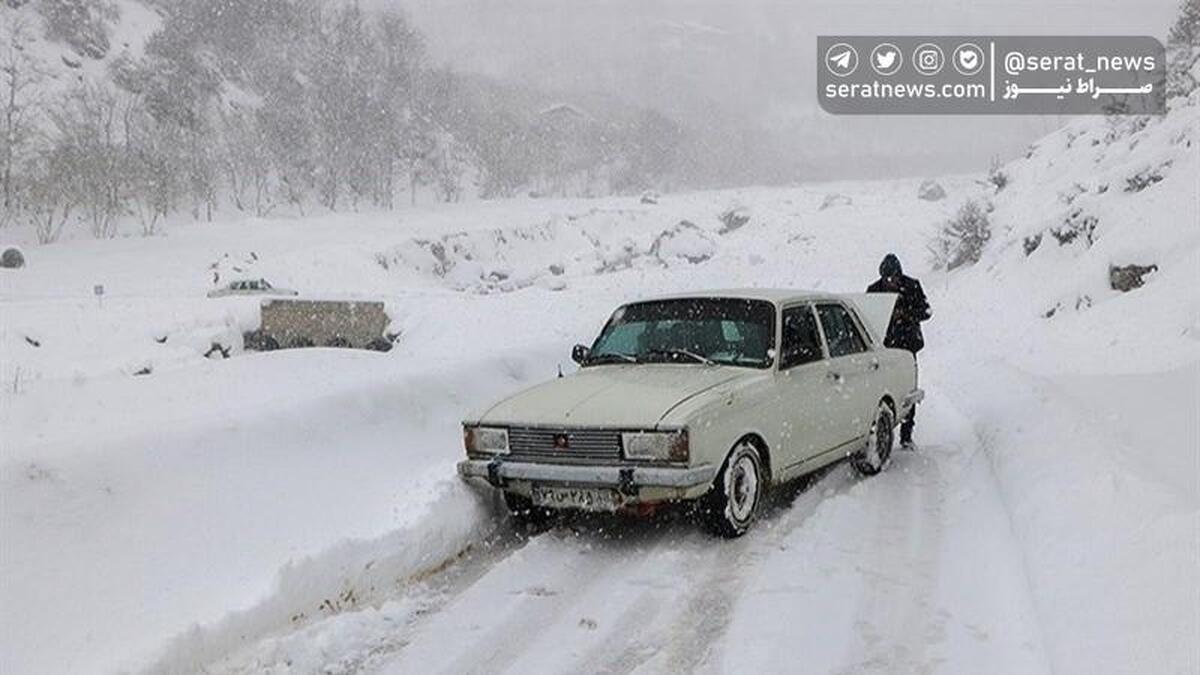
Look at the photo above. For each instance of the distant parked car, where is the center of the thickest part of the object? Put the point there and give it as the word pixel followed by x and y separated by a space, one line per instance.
pixel 712 397
pixel 249 287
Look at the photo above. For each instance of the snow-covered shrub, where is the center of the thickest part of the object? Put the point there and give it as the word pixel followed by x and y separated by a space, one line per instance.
pixel 12 258
pixel 834 199
pixel 961 240
pixel 82 24
pixel 931 191
pixel 684 241
pixel 1183 50
pixel 47 203
pixel 1145 178
pixel 1076 225
pixel 996 175
pixel 1072 193
pixel 1031 243
pixel 733 218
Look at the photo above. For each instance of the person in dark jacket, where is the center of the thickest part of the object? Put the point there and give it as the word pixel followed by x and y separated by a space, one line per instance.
pixel 904 331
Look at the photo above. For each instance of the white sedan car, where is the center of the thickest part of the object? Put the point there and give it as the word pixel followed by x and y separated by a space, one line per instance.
pixel 712 397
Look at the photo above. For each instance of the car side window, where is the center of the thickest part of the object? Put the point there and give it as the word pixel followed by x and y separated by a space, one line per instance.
pixel 801 341
pixel 841 331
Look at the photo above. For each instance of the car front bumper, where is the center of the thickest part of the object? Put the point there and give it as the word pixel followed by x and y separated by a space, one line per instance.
pixel 635 484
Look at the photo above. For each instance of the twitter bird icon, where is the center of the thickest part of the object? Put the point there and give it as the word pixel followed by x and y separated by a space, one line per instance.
pixel 886 58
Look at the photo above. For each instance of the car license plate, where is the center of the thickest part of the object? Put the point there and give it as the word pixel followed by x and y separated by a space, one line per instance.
pixel 588 499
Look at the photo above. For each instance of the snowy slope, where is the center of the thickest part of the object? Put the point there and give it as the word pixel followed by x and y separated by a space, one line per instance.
pixel 58 65
pixel 1085 397
pixel 297 511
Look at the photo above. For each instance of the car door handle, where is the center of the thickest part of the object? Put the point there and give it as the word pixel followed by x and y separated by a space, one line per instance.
pixel 875 364
pixel 836 378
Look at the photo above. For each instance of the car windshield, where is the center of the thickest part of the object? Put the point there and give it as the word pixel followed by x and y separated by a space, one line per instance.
pixel 690 330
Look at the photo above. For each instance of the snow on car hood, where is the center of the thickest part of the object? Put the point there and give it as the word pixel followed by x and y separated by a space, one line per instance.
pixel 631 396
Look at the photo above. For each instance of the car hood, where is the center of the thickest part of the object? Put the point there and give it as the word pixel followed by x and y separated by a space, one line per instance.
pixel 627 396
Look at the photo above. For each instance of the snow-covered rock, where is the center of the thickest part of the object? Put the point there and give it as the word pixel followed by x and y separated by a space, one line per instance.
pixel 931 191
pixel 685 242
pixel 12 258
pixel 835 199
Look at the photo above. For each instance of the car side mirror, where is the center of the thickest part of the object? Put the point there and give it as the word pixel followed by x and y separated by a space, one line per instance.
pixel 580 353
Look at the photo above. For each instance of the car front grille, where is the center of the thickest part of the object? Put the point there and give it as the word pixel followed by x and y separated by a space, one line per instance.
pixel 584 446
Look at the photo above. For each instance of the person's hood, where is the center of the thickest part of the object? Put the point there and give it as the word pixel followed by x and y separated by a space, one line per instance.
pixel 625 395
pixel 890 266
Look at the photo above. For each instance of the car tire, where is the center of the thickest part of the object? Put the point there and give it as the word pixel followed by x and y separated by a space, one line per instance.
pixel 874 457
pixel 523 512
pixel 730 507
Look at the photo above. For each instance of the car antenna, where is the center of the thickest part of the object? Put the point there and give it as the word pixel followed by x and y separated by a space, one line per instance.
pixel 560 370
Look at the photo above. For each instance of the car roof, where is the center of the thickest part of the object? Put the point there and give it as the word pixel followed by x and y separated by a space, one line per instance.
pixel 777 296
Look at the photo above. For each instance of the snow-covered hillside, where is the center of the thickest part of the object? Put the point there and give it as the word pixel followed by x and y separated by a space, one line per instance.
pixel 297 511
pixel 58 55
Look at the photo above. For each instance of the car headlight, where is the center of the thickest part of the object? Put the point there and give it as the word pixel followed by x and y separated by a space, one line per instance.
pixel 492 440
pixel 663 446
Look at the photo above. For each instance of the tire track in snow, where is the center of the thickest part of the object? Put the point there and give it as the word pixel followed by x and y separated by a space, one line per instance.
pixel 389 622
pixel 512 606
pixel 442 588
pixel 655 597
pixel 895 617
pixel 687 640
pixel 693 644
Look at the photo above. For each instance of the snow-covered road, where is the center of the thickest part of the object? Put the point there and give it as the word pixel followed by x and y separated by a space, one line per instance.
pixel 298 512
pixel 914 570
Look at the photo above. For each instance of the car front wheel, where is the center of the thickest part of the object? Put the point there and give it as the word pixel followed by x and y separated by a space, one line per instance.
pixel 872 458
pixel 731 506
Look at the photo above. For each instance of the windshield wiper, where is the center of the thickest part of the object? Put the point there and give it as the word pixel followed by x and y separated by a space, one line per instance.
pixel 683 352
pixel 609 357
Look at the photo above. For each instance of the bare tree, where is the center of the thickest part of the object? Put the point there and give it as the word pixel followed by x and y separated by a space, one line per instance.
pixel 246 162
pixel 150 157
pixel 19 75
pixel 89 143
pixel 47 202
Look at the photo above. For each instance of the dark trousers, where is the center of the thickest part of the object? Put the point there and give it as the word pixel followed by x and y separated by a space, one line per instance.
pixel 906 427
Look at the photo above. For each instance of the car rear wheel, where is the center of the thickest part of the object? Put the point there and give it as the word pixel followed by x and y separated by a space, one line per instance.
pixel 874 457
pixel 732 504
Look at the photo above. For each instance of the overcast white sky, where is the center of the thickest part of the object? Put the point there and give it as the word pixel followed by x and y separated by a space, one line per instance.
pixel 754 60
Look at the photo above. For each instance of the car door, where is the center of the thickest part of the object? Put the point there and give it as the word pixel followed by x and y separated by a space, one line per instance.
pixel 851 371
pixel 803 389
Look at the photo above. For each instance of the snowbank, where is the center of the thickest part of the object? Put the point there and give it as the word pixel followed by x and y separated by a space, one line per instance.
pixel 1109 538
pixel 264 485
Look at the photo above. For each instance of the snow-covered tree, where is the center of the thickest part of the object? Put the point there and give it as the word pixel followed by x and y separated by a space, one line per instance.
pixel 1183 50
pixel 20 74
pixel 960 240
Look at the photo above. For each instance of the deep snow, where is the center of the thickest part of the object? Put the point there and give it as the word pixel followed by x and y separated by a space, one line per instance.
pixel 297 511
